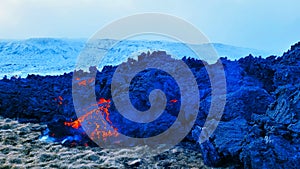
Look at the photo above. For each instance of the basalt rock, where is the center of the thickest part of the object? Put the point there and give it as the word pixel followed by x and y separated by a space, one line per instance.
pixel 269 136
pixel 224 146
pixel 286 108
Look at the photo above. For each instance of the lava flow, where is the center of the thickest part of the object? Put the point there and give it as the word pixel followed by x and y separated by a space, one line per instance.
pixel 59 99
pixel 97 122
pixel 174 101
pixel 84 82
pixel 100 129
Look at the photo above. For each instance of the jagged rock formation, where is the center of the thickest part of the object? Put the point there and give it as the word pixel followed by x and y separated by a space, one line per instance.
pixel 266 134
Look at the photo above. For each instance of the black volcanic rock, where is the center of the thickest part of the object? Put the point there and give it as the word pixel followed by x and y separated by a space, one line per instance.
pixel 272 151
pixel 286 108
pixel 260 69
pixel 246 101
pixel 225 144
pixel 270 137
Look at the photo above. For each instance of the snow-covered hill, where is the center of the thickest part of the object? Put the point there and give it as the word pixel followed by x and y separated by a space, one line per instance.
pixel 49 56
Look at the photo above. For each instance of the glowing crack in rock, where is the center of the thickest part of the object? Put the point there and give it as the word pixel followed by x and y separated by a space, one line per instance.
pixel 92 118
pixel 174 101
pixel 85 81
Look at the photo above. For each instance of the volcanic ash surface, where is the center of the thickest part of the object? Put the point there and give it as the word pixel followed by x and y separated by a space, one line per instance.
pixel 20 147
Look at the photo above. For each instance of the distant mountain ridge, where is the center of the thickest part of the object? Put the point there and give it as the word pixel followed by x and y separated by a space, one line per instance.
pixel 50 56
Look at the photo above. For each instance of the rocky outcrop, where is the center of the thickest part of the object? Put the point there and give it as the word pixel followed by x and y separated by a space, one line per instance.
pixel 286 108
pixel 36 98
pixel 260 125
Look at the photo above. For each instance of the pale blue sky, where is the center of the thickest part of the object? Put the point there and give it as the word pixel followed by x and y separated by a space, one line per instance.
pixel 271 25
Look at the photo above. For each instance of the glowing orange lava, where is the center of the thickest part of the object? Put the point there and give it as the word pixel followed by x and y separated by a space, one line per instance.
pixel 60 100
pixel 105 108
pixel 75 124
pixel 91 80
pixel 101 128
pixel 85 82
pixel 82 83
pixel 174 101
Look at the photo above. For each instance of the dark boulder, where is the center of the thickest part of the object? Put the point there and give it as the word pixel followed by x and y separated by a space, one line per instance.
pixel 224 146
pixel 286 108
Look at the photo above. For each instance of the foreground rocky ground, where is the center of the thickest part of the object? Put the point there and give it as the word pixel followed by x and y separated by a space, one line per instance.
pixel 20 148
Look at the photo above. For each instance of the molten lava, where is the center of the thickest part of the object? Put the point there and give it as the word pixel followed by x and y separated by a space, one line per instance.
pixel 91 80
pixel 60 100
pixel 75 124
pixel 105 109
pixel 174 101
pixel 85 82
pixel 82 83
pixel 101 128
